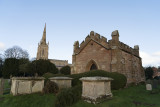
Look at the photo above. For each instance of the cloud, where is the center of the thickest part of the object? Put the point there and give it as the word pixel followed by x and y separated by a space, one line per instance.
pixel 152 59
pixel 156 53
pixel 2 46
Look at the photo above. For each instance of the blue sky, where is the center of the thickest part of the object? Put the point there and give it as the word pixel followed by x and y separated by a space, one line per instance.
pixel 22 23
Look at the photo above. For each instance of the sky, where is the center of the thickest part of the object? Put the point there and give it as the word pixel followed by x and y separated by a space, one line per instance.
pixel 22 23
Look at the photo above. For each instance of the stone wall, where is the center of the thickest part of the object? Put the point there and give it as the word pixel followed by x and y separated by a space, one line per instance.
pixel 26 85
pixel 132 67
pixel 93 53
pixel 59 63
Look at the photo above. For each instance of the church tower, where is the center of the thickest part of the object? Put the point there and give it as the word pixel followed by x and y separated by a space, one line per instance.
pixel 42 52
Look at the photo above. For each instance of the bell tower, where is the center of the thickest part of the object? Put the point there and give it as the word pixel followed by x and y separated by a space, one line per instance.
pixel 42 51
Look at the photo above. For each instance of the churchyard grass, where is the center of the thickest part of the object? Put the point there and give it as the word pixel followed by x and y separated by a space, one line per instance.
pixel 7 86
pixel 32 100
pixel 135 96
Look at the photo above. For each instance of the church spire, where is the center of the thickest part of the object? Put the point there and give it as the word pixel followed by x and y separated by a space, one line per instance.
pixel 42 52
pixel 43 40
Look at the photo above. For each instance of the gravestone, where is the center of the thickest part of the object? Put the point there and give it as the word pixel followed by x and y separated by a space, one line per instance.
pixel 148 87
pixel 1 86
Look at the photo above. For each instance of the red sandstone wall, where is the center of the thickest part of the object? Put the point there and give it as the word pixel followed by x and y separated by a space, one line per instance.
pixel 96 52
pixel 133 68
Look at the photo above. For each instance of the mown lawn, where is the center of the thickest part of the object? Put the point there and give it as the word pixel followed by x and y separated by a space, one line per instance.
pixel 32 100
pixel 135 96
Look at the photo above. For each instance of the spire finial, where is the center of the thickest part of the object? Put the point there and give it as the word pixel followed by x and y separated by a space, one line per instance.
pixel 43 41
pixel 45 26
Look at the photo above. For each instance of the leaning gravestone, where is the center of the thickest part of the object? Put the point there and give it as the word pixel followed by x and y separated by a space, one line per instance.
pixel 1 86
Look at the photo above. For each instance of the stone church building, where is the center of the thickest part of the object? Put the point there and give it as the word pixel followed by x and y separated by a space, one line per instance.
pixel 42 52
pixel 95 52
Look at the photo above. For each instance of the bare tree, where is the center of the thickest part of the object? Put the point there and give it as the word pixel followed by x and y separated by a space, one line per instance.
pixel 16 52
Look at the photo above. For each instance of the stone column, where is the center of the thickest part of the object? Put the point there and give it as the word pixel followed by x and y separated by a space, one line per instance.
pixel 96 89
pixel 1 86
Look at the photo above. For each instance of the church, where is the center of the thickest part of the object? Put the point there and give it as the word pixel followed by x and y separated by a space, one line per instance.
pixel 95 52
pixel 42 52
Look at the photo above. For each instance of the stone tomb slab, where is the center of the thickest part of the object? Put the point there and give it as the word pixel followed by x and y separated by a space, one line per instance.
pixel 27 85
pixel 24 87
pixel 96 89
pixel 62 82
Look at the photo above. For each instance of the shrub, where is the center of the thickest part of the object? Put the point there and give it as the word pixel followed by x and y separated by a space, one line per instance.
pixel 66 70
pixel 50 87
pixel 149 73
pixel 119 79
pixel 68 96
pixel 157 77
pixel 10 67
pixel 131 84
pixel 41 67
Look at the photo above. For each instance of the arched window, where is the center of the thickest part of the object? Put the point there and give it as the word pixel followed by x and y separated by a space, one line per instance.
pixel 93 67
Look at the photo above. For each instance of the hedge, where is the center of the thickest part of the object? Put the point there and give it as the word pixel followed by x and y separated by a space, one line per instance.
pixel 119 79
pixel 49 75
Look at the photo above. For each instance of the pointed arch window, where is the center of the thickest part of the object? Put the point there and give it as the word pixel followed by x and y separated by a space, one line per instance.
pixel 93 67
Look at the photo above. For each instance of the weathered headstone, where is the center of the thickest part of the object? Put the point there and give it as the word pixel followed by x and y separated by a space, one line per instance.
pixel 62 82
pixel 96 89
pixel 1 86
pixel 148 87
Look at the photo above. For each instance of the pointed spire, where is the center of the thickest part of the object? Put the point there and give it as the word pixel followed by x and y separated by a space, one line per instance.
pixel 43 41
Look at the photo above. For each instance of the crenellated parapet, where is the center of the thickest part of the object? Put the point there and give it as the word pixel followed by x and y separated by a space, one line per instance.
pixel 76 47
pixel 124 47
pixel 92 36
pixel 114 43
